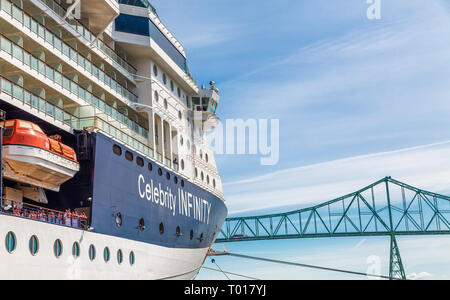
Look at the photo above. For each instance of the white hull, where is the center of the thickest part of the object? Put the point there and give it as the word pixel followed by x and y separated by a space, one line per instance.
pixel 151 262
pixel 37 166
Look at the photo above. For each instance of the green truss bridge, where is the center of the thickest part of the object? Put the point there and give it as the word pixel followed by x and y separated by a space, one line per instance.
pixel 386 208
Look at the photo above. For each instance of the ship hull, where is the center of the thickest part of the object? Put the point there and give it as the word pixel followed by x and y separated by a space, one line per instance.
pixel 151 261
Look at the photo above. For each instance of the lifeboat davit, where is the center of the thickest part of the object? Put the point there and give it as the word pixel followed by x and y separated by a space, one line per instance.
pixel 30 157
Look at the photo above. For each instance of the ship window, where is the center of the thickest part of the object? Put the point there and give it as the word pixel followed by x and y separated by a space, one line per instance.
pixel 207 179
pixel 214 183
pixel 196 173
pixel 179 92
pixel 57 248
pixel 171 85
pixel 182 164
pixel 160 172
pixel 10 242
pixel 140 161
pixel 117 150
pixel 8 132
pixel 155 70
pixel 37 128
pixel 164 79
pixel 168 176
pixel 161 228
pixel 182 183
pixel 119 219
pixel 129 155
pixel 132 259
pixel 175 179
pixel 119 256
pixel 180 115
pixel 25 125
pixel 92 252
pixel 76 250
pixel 34 245
pixel 203 176
pixel 206 157
pixel 141 224
pixel 10 123
pixel 106 254
pixel 150 167
pixel 201 237
pixel 178 231
pixel 181 141
pixel 192 234
pixel 166 105
pixel 156 96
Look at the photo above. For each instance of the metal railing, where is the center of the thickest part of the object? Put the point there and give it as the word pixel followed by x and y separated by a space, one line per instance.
pixel 88 35
pixel 64 49
pixel 71 88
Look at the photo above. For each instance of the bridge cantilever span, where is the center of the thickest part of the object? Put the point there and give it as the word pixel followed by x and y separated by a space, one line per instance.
pixel 385 208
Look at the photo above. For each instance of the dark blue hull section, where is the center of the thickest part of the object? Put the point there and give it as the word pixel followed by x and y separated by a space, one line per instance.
pixel 175 216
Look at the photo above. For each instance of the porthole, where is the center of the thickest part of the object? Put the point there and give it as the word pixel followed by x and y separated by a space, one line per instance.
pixel 150 167
pixel 168 176
pixel 182 183
pixel 132 258
pixel 175 179
pixel 155 70
pixel 57 248
pixel 161 228
pixel 181 141
pixel 164 79
pixel 192 234
pixel 156 96
pixel 182 164
pixel 178 231
pixel 160 172
pixel 166 105
pixel 10 242
pixel 106 254
pixel 92 252
pixel 117 150
pixel 129 156
pixel 119 220
pixel 119 256
pixel 140 161
pixel 34 245
pixel 141 224
pixel 76 250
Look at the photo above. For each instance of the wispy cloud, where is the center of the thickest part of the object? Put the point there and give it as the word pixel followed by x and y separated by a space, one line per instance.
pixel 426 167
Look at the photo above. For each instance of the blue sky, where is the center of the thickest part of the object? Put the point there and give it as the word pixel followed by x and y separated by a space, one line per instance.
pixel 357 100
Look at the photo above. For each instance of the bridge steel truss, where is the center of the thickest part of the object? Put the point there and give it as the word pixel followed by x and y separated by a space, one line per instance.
pixel 386 208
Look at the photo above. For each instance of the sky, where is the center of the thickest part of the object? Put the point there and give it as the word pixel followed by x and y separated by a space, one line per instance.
pixel 356 99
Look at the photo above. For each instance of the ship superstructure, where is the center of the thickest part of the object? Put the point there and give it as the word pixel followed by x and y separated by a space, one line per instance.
pixel 107 79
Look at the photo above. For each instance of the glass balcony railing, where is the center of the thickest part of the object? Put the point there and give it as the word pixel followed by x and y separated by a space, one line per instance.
pixel 64 49
pixel 116 133
pixel 34 101
pixel 67 86
pixel 83 31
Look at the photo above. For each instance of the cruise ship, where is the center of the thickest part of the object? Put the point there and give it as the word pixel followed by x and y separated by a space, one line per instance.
pixel 106 170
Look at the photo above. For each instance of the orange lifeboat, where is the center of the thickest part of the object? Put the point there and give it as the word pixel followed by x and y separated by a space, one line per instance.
pixel 31 157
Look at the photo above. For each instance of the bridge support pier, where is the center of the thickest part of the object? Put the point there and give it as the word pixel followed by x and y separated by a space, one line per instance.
pixel 396 270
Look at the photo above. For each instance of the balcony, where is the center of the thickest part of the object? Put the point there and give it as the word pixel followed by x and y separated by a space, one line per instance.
pixel 100 13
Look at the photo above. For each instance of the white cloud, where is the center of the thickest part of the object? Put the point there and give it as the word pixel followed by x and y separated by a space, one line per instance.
pixel 426 167
pixel 418 276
